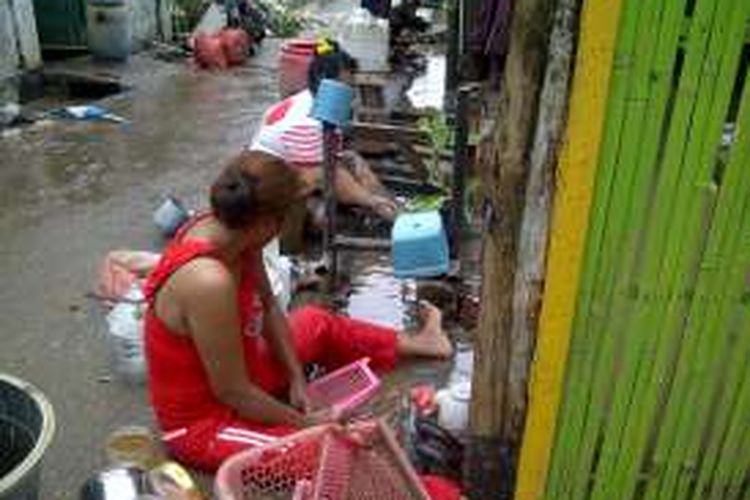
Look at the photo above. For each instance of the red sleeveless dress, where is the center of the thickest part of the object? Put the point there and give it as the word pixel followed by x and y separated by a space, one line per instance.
pixel 199 430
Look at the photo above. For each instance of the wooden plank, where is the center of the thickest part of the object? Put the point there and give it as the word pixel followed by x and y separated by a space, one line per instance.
pixel 667 267
pixel 361 243
pixel 390 132
pixel 577 172
pixel 582 347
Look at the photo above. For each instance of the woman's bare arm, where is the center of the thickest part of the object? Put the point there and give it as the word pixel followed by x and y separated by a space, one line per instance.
pixel 278 334
pixel 209 297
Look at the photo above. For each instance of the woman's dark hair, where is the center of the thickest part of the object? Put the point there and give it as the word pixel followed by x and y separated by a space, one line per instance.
pixel 252 184
pixel 329 65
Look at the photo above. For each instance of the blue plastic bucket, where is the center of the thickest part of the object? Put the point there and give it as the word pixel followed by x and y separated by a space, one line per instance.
pixel 333 103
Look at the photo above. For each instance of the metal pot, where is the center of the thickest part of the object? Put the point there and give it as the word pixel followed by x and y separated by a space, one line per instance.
pixel 118 483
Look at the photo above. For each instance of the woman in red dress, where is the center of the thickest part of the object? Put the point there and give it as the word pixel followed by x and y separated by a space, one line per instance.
pixel 224 362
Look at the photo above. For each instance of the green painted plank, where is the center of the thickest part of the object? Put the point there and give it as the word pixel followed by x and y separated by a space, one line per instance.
pixel 582 348
pixel 735 463
pixel 590 407
pixel 629 196
pixel 641 338
pixel 717 337
pixel 609 244
pixel 731 414
pixel 642 155
pixel 672 320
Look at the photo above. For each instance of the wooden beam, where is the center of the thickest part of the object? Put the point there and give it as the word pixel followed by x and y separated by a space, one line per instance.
pixel 503 166
pixel 533 239
pixel 389 132
pixel 361 243
pixel 576 173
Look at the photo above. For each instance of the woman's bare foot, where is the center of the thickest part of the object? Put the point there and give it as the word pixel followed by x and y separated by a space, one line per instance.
pixel 384 207
pixel 430 341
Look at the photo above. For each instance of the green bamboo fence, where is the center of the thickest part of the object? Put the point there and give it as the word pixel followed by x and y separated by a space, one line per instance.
pixel 657 392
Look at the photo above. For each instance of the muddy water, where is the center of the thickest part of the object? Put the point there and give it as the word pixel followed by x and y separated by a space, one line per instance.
pixel 375 294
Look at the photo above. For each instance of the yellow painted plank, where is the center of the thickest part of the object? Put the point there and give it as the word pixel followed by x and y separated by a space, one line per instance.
pixel 575 182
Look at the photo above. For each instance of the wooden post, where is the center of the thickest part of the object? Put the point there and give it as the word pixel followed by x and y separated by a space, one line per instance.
pixel 460 159
pixel 329 195
pixel 504 173
pixel 532 246
pixel 453 55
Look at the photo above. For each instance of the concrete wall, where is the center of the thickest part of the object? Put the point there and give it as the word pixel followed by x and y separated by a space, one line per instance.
pixel 19 44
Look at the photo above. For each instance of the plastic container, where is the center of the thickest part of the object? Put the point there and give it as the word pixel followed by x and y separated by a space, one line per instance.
pixel 366 38
pixel 294 61
pixel 454 406
pixel 133 445
pixel 419 245
pixel 170 215
pixel 117 483
pixel 333 103
pixel 333 462
pixel 279 271
pixel 344 389
pixel 125 322
pixel 27 424
pixel 109 29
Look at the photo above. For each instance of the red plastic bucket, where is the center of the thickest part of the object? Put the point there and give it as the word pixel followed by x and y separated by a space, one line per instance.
pixel 294 60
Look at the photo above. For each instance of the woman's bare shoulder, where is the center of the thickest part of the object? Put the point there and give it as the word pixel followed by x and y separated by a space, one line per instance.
pixel 203 276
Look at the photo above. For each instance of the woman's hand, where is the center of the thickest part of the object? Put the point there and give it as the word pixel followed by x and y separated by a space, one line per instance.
pixel 298 396
pixel 322 416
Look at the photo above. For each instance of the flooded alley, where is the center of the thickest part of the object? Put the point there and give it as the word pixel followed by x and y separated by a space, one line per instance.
pixel 71 191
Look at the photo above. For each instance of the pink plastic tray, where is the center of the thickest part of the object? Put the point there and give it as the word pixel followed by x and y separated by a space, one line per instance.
pixel 344 389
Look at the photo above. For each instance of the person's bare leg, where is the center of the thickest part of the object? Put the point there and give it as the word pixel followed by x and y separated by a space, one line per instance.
pixel 365 175
pixel 386 207
pixel 350 192
pixel 430 341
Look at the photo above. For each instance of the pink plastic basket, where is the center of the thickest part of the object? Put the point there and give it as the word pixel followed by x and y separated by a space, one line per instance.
pixel 360 462
pixel 344 389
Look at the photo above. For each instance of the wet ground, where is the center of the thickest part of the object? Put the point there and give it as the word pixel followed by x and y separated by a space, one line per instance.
pixel 71 191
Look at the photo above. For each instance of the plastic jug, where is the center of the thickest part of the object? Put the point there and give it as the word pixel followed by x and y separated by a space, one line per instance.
pixel 454 406
pixel 125 323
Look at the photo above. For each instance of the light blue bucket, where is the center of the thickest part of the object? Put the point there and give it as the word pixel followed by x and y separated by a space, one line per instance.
pixel 170 215
pixel 333 103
